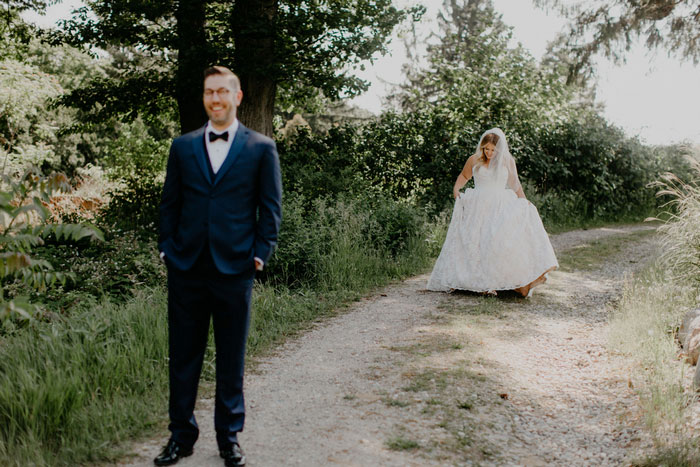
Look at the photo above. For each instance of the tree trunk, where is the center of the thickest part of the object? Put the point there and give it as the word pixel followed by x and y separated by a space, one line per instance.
pixel 253 23
pixel 193 58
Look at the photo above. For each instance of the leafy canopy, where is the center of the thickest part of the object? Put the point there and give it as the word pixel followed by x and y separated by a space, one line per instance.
pixel 317 43
pixel 611 27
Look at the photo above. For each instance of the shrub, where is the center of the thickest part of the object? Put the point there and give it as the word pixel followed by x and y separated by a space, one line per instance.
pixel 313 232
pixel 325 165
pixel 24 225
pixel 579 166
pixel 134 205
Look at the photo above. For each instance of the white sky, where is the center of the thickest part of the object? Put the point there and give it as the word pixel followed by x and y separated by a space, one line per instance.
pixel 652 96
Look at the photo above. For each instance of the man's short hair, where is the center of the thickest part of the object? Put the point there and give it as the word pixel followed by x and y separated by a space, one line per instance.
pixel 222 70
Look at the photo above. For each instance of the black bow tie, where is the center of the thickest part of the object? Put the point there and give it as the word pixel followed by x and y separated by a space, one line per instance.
pixel 213 136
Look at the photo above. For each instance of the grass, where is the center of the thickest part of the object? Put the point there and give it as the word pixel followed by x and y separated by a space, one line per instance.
pixel 486 305
pixel 399 443
pixel 644 325
pixel 642 329
pixel 395 402
pixel 685 453
pixel 465 404
pixel 71 390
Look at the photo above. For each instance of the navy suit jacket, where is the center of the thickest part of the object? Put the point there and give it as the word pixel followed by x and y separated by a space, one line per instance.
pixel 237 213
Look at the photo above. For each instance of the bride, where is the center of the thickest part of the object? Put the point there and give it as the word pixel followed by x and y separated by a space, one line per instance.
pixel 496 240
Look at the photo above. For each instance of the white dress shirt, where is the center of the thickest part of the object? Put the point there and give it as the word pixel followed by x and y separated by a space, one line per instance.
pixel 218 150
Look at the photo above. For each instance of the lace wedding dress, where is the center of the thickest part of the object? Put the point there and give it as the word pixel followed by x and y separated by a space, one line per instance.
pixel 496 241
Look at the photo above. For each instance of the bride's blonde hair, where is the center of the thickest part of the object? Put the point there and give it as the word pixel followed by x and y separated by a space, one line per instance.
pixel 489 138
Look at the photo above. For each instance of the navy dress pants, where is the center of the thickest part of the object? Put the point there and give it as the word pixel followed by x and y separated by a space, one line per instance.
pixel 195 296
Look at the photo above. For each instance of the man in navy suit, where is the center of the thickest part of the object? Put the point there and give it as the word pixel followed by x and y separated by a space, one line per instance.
pixel 219 218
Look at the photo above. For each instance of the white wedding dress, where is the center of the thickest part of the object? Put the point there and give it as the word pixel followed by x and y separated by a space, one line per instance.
pixel 496 241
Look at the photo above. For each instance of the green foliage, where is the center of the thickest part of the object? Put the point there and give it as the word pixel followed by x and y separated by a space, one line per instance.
pixel 315 234
pixel 15 34
pixel 70 389
pixel 23 226
pixel 575 170
pixel 608 171
pixel 32 129
pixel 26 127
pixel 134 206
pixel 137 160
pixel 134 152
pixel 315 43
pixel 611 27
pixel 322 165
pixel 116 269
pixel 416 155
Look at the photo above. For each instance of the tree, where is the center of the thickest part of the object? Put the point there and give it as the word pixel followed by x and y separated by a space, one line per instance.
pixel 466 26
pixel 16 34
pixel 612 26
pixel 27 129
pixel 473 72
pixel 470 33
pixel 303 46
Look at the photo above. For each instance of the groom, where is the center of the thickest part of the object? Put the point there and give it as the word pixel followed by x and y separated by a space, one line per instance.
pixel 219 217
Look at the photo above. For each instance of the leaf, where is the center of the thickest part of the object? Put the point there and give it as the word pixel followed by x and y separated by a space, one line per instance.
pixel 72 232
pixel 19 307
pixel 13 262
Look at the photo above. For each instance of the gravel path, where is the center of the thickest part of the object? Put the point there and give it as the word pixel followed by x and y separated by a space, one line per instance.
pixel 410 377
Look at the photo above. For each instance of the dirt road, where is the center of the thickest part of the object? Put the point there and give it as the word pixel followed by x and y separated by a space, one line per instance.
pixel 411 377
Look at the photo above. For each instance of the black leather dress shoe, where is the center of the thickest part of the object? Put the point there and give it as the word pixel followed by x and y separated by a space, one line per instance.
pixel 233 456
pixel 172 452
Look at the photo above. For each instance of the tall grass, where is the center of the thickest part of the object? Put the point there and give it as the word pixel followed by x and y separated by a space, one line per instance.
pixel 73 389
pixel 682 232
pixel 642 328
pixel 644 323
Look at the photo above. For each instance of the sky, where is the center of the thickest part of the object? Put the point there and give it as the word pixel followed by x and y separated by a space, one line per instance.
pixel 651 96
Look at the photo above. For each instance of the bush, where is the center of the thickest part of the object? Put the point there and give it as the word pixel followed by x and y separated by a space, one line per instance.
pixel 134 152
pixel 314 233
pixel 134 205
pixel 391 225
pixel 580 166
pixel 316 166
pixel 115 269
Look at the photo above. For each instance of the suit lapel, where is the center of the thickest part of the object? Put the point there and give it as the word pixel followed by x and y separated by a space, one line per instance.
pixel 238 142
pixel 200 152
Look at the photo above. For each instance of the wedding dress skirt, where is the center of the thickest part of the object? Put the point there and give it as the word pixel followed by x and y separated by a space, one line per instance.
pixel 496 241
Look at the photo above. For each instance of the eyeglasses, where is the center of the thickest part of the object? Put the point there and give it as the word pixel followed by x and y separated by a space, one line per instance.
pixel 221 92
